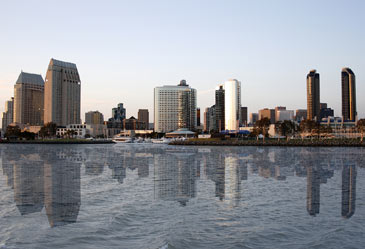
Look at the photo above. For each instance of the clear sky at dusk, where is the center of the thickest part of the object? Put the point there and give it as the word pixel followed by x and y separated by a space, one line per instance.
pixel 123 49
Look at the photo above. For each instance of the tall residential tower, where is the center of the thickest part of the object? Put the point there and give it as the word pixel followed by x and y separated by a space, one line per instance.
pixel 313 97
pixel 29 99
pixel 349 112
pixel 174 107
pixel 232 104
pixel 62 93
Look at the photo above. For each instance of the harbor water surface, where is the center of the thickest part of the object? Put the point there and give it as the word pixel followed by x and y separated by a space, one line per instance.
pixel 161 196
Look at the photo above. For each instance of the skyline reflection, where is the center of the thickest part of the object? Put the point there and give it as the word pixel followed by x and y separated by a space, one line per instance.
pixel 41 176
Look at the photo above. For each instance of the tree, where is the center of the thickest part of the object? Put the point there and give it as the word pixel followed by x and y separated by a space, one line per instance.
pixel 12 131
pixel 361 126
pixel 307 126
pixel 27 135
pixel 48 130
pixel 262 126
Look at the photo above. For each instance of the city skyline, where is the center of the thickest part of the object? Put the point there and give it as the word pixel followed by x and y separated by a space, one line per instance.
pixel 265 52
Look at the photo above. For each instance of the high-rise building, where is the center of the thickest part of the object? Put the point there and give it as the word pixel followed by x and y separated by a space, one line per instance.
pixel 254 117
pixel 7 117
pixel 349 112
pixel 62 91
pixel 187 117
pixel 94 117
pixel 174 107
pixel 313 96
pixel 143 116
pixel 232 104
pixel 118 113
pixel 219 108
pixel 29 99
pixel 267 113
pixel 244 120
pixel 198 116
pixel 209 119
pixel 300 114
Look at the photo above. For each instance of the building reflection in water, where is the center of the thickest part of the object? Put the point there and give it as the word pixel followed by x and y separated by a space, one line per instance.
pixel 349 174
pixel 40 177
pixel 175 176
pixel 313 190
pixel 62 191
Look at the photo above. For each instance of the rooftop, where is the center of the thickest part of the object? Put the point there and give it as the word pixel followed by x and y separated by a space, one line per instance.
pixel 29 78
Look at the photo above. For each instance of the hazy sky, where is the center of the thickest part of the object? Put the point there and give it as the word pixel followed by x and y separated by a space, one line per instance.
pixel 123 49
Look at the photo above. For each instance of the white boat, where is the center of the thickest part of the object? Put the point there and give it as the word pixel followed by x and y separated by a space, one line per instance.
pixel 122 139
pixel 161 141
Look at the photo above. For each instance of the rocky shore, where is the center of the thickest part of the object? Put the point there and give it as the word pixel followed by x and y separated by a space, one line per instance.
pixel 274 142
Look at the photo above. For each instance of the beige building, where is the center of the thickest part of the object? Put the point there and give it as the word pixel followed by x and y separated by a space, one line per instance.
pixel 267 113
pixel 7 117
pixel 29 99
pixel 62 93
pixel 143 116
pixel 94 117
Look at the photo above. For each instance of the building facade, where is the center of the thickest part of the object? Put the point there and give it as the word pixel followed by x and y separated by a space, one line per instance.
pixel 29 99
pixel 209 119
pixel 94 117
pixel 326 111
pixel 267 113
pixel 244 117
pixel 232 104
pixel 313 96
pixel 62 93
pixel 349 112
pixel 119 113
pixel 253 118
pixel 283 115
pixel 300 114
pixel 278 108
pixel 144 117
pixel 187 111
pixel 174 107
pixel 7 117
pixel 219 109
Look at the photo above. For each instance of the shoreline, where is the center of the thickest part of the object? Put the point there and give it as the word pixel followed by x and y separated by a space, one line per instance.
pixel 274 143
pixel 57 142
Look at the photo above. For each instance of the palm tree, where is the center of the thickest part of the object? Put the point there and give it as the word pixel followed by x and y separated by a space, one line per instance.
pixel 361 126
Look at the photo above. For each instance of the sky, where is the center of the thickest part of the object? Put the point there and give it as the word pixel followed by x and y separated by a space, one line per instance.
pixel 123 49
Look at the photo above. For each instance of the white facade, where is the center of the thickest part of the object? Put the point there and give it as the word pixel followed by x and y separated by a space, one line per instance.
pixel 232 104
pixel 285 115
pixel 166 107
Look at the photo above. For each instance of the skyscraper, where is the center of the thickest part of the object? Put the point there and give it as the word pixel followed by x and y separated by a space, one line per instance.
pixel 219 108
pixel 7 117
pixel 349 112
pixel 313 97
pixel 244 120
pixel 119 113
pixel 174 107
pixel 94 117
pixel 187 116
pixel 209 119
pixel 29 99
pixel 232 104
pixel 143 116
pixel 198 116
pixel 62 93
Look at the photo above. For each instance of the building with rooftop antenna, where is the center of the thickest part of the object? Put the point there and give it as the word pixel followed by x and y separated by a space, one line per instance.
pixel 62 93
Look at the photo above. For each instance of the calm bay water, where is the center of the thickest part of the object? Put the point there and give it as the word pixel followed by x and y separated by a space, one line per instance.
pixel 159 196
